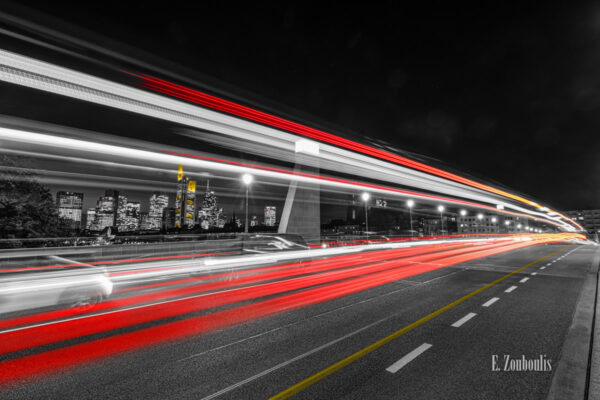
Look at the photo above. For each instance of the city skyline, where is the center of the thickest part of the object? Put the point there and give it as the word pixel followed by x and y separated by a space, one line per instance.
pixel 115 209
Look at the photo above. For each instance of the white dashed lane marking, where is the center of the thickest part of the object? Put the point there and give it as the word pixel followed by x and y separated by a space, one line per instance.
pixel 463 320
pixel 490 301
pixel 395 367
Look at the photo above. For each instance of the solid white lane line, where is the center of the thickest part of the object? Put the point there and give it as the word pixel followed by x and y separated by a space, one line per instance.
pixel 523 280
pixel 463 320
pixel 510 289
pixel 534 273
pixel 542 267
pixel 490 301
pixel 395 367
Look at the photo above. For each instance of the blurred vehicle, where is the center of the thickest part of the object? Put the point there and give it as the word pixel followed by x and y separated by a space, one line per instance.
pixel 377 238
pixel 83 287
pixel 269 243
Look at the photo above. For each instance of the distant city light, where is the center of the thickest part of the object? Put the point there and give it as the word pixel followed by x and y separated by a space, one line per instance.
pixel 463 212
pixel 479 216
pixel 494 220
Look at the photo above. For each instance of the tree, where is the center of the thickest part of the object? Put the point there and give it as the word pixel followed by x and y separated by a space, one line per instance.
pixel 27 209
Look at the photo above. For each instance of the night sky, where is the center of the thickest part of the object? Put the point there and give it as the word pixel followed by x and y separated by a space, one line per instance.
pixel 508 92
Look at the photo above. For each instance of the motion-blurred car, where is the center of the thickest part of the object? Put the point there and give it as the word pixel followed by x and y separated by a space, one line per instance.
pixel 269 243
pixel 81 287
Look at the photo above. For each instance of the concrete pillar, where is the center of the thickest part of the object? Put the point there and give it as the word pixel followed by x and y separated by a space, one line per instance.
pixel 302 210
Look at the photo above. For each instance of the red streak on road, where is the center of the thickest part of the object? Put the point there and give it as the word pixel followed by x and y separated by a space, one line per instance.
pixel 240 277
pixel 69 329
pixel 60 359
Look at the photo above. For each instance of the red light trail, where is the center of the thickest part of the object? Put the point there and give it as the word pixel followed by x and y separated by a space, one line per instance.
pixel 322 281
pixel 207 100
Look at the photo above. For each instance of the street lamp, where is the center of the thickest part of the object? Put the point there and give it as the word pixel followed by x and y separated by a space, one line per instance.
pixel 494 219
pixel 463 213
pixel 247 179
pixel 441 210
pixel 480 216
pixel 410 203
pixel 365 196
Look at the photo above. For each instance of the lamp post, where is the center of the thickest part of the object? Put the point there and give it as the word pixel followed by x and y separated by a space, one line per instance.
pixel 410 203
pixel 463 213
pixel 441 210
pixel 365 196
pixel 247 179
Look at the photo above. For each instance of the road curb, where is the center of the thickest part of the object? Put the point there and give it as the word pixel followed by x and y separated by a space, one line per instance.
pixel 570 378
pixel 594 377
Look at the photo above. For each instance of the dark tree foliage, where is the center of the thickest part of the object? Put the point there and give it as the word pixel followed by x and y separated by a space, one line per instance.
pixel 27 208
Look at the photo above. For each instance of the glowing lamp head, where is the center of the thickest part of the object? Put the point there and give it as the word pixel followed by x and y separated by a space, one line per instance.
pixel 463 212
pixel 518 226
pixel 410 203
pixel 480 216
pixel 494 220
pixel 441 208
pixel 365 196
pixel 507 222
pixel 247 179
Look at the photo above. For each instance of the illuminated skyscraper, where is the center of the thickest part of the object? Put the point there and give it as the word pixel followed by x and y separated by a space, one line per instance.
pixel 190 204
pixel 168 219
pixel 144 221
pixel 158 203
pixel 270 216
pixel 185 201
pixel 69 206
pixel 132 216
pixel 121 212
pixel 105 215
pixel 209 215
pixel 114 194
pixel 90 217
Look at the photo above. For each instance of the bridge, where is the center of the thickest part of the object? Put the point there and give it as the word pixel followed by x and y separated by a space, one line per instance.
pixel 163 241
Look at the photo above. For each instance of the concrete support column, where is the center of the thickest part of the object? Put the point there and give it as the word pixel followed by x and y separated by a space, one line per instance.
pixel 302 210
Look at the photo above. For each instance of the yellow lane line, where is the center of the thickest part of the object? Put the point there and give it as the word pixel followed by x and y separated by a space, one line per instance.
pixel 292 390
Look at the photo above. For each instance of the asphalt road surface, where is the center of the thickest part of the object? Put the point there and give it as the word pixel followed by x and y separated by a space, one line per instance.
pixel 441 334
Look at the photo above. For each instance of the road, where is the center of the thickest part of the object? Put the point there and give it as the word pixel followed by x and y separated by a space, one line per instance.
pixel 440 331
